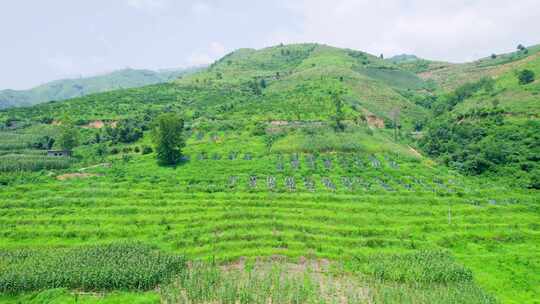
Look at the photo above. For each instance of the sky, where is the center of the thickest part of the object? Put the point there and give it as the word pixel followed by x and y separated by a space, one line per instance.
pixel 47 40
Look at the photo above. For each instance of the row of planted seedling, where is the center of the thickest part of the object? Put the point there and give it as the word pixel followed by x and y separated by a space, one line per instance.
pixel 311 161
pixel 383 182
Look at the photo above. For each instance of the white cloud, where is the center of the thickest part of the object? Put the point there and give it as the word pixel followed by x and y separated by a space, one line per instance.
pixel 198 59
pixel 217 49
pixel 148 5
pixel 200 8
pixel 62 63
pixel 214 51
pixel 452 30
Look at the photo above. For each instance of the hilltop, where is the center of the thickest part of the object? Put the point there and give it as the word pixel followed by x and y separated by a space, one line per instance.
pixel 70 88
pixel 449 76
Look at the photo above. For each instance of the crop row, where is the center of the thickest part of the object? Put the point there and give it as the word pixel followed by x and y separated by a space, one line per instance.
pixel 32 162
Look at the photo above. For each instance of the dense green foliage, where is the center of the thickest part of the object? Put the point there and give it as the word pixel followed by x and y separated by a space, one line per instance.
pixel 168 138
pixel 68 137
pixel 490 126
pixel 106 267
pixel 526 76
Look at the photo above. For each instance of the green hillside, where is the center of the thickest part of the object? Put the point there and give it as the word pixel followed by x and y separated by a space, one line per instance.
pixel 491 126
pixel 70 88
pixel 298 183
pixel 449 76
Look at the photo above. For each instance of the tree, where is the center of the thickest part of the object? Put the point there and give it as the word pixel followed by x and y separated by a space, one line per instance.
pixel 493 56
pixel 255 87
pixel 526 76
pixel 338 118
pixel 126 131
pixel 394 115
pixel 520 47
pixel 168 138
pixel 46 142
pixel 263 83
pixel 69 135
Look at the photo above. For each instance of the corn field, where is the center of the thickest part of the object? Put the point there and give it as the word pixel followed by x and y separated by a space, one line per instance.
pixel 106 267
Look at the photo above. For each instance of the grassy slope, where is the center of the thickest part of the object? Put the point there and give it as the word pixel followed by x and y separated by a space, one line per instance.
pixel 70 88
pixel 305 68
pixel 195 210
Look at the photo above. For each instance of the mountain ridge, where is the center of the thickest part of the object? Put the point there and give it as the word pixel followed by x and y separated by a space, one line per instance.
pixel 67 88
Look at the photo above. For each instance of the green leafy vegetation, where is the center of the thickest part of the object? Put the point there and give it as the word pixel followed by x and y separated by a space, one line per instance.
pixel 526 76
pixel 168 138
pixel 489 127
pixel 106 267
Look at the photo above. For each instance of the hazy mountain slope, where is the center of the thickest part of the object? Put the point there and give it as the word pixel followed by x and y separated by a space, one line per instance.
pixel 70 88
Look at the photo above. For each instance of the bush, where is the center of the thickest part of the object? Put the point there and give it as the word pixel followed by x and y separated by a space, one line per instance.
pixel 526 77
pixel 104 267
pixel 147 150
pixel 126 131
pixel 101 150
pixel 137 149
pixel 535 180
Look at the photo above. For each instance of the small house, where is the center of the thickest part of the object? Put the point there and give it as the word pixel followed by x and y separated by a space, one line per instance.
pixel 59 153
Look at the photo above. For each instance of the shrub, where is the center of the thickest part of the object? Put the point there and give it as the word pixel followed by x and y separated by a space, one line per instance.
pixel 101 150
pixel 137 149
pixel 126 131
pixel 526 76
pixel 147 150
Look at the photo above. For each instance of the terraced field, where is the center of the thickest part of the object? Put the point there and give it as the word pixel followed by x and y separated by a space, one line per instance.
pixel 224 205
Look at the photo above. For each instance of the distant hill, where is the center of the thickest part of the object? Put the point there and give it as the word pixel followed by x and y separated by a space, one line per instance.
pixel 403 58
pixel 284 82
pixel 77 87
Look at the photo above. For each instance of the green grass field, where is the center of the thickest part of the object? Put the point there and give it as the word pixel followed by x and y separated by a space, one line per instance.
pixel 337 206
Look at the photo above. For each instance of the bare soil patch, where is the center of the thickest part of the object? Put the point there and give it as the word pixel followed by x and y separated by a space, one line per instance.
pixel 76 175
